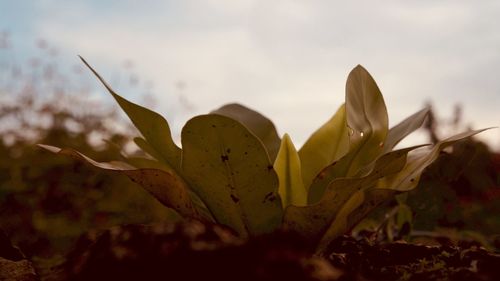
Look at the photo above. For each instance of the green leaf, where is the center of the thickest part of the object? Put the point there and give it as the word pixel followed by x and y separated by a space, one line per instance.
pixel 366 118
pixel 229 169
pixel 313 220
pixel 408 177
pixel 152 126
pixel 287 166
pixel 167 187
pixel 325 146
pixel 403 129
pixel 257 123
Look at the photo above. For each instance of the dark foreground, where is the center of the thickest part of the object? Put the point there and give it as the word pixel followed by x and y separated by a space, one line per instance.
pixel 195 251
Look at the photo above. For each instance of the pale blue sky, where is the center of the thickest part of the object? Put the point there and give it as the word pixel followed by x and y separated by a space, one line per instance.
pixel 287 59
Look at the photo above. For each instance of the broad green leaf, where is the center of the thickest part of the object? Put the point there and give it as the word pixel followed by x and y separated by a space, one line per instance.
pixel 366 118
pixel 167 187
pixel 403 129
pixel 313 220
pixel 287 166
pixel 408 177
pixel 257 123
pixel 229 169
pixel 325 146
pixel 152 126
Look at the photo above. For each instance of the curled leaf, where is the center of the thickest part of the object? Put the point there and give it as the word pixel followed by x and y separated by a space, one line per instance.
pixel 408 177
pixel 165 186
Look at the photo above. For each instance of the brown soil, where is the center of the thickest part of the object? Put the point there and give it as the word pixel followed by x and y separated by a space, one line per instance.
pixel 196 251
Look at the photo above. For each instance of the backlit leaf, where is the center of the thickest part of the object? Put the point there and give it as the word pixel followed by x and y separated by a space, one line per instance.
pixel 326 145
pixel 366 118
pixel 229 169
pixel 287 166
pixel 367 122
pixel 152 126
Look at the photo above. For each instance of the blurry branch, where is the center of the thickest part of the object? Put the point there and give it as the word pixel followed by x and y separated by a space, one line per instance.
pixel 436 126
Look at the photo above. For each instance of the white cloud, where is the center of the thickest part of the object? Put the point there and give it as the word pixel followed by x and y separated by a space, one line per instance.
pixel 290 59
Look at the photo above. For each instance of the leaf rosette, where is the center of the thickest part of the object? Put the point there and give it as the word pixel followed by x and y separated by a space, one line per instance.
pixel 234 169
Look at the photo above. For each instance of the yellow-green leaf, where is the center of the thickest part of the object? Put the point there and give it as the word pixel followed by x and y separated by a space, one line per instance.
pixel 257 123
pixel 152 126
pixel 326 145
pixel 287 166
pixel 228 167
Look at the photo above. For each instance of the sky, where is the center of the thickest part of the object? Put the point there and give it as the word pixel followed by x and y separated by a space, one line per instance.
pixel 288 60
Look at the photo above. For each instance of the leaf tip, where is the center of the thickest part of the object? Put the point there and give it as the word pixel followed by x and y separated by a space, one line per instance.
pixel 359 67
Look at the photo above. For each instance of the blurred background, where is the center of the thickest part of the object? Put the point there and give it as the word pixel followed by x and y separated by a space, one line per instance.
pixel 288 60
